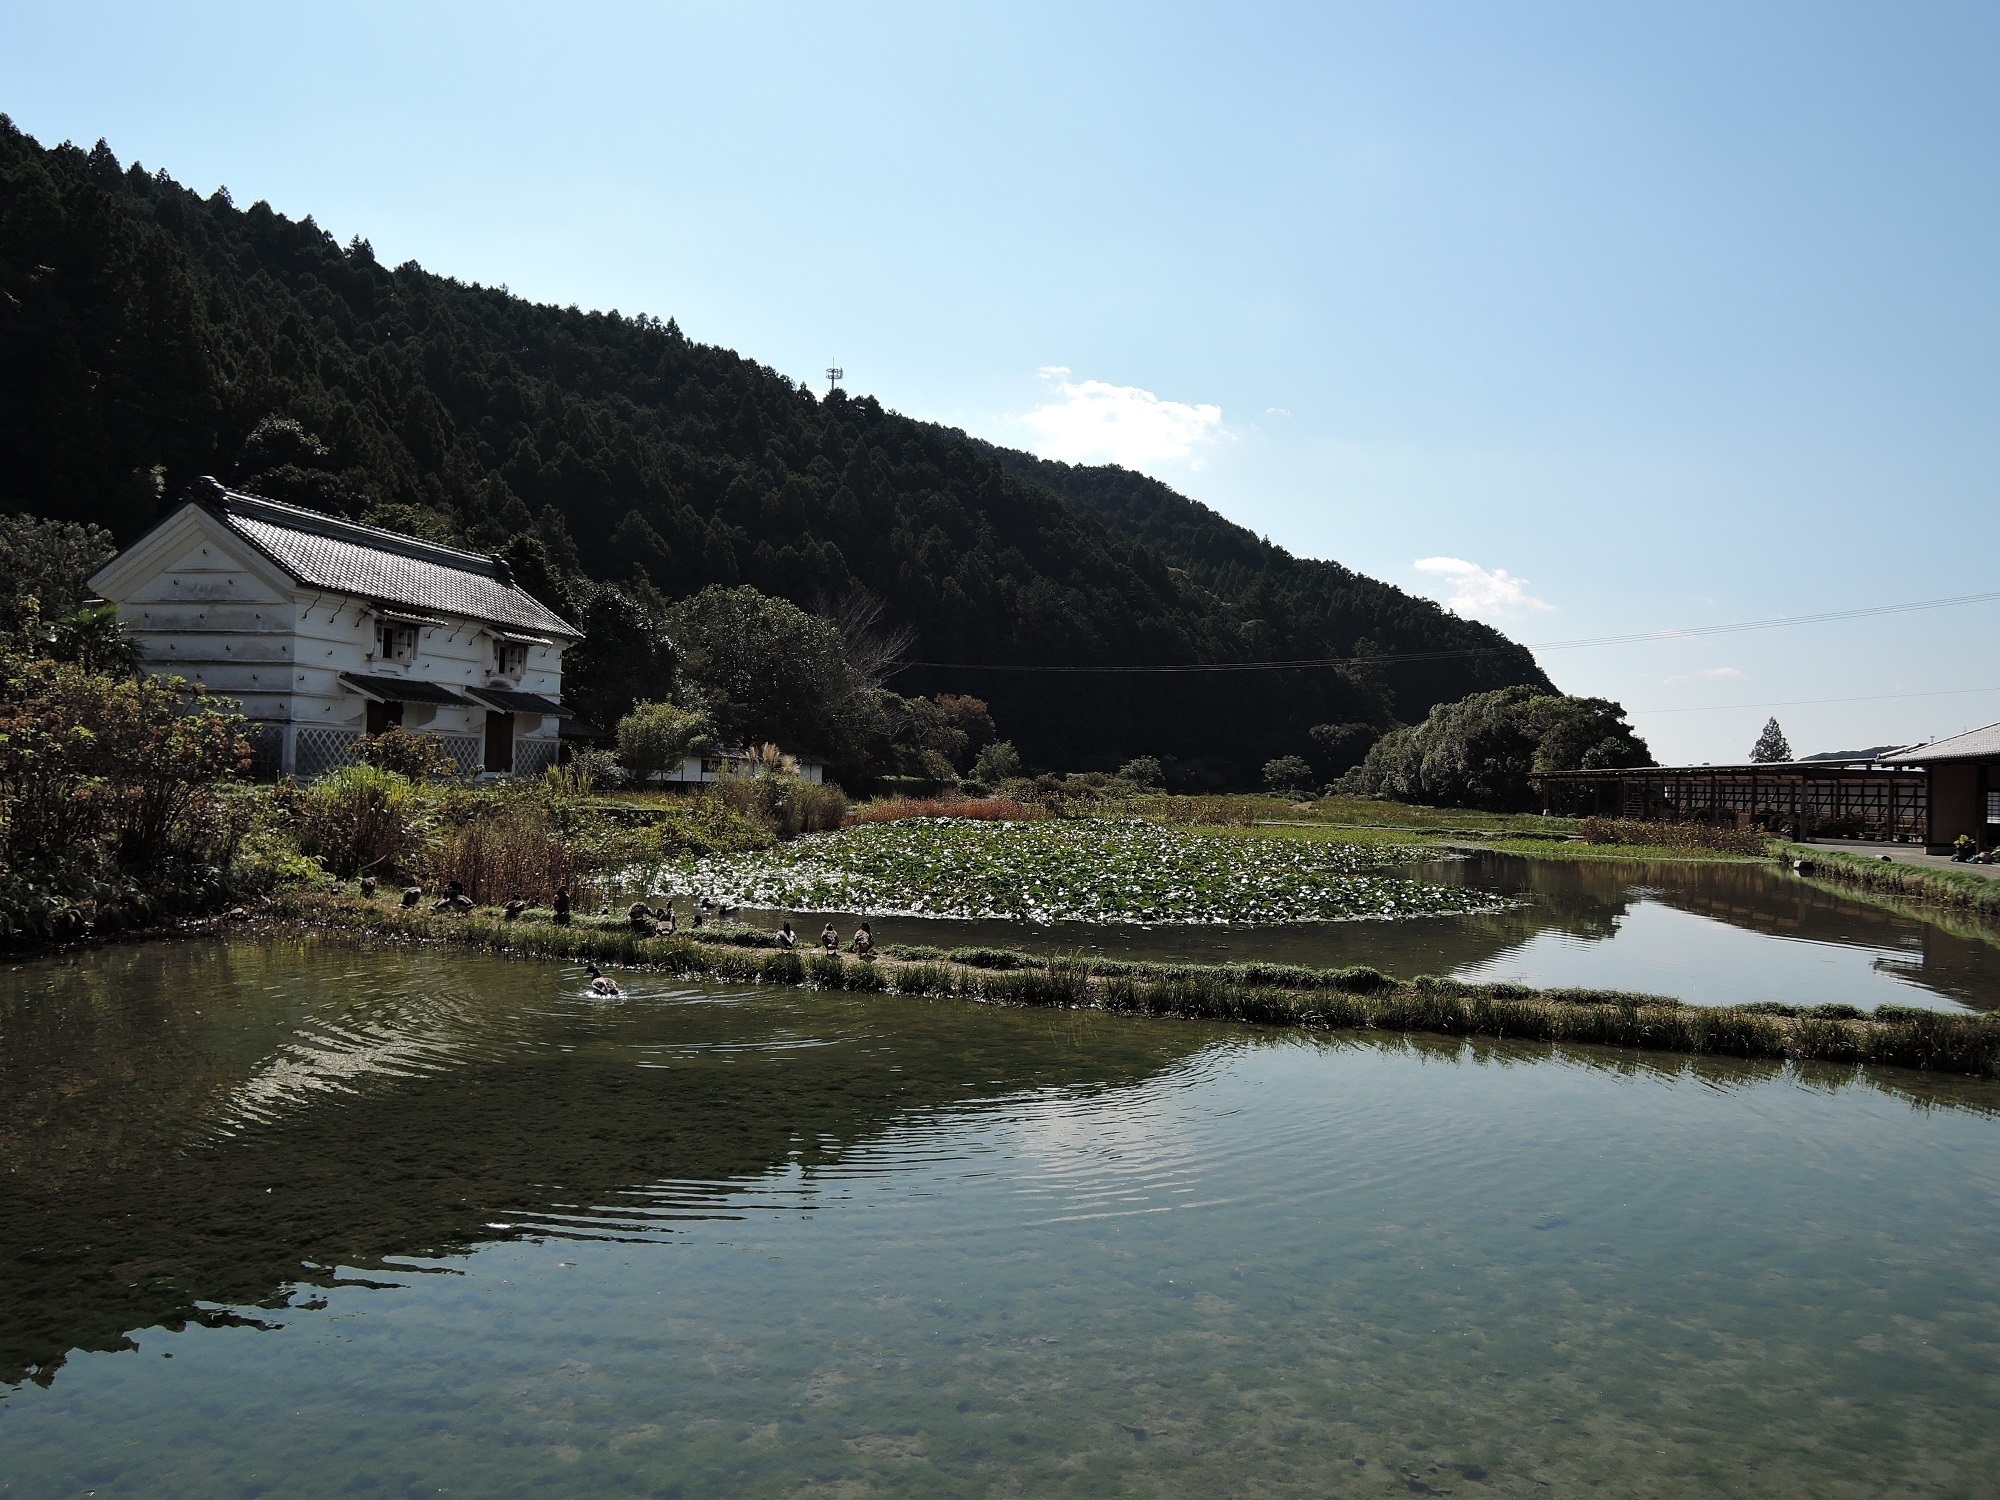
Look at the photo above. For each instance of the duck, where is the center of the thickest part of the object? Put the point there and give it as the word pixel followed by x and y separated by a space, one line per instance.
pixel 514 908
pixel 367 885
pixel 412 894
pixel 600 985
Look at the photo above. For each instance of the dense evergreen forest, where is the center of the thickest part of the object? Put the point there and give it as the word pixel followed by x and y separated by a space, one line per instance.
pixel 149 335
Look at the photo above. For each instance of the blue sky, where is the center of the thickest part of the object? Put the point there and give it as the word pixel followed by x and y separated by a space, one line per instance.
pixel 1591 319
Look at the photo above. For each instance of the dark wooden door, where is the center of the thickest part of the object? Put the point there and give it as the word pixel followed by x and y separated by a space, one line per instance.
pixel 499 742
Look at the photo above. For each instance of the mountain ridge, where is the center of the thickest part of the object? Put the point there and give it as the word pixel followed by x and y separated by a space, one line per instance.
pixel 149 335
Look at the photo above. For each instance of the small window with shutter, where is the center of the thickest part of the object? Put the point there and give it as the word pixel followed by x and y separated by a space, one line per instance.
pixel 396 642
pixel 1993 807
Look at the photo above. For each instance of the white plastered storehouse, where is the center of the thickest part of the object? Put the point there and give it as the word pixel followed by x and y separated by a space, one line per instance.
pixel 325 630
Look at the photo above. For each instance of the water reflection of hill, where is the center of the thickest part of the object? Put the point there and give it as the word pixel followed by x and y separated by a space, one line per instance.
pixel 193 1124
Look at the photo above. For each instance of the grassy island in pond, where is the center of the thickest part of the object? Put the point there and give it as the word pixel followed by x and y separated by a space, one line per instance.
pixel 1082 869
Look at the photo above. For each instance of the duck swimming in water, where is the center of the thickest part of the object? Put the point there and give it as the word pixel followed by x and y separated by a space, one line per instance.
pixel 600 985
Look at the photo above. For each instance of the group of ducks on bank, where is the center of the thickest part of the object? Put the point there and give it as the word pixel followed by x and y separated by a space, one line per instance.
pixel 645 917
pixel 829 941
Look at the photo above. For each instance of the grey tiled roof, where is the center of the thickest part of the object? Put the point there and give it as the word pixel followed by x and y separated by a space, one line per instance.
pixel 328 553
pixel 1974 744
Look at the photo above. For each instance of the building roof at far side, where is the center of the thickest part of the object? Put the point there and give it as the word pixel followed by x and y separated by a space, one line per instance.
pixel 1974 744
pixel 346 557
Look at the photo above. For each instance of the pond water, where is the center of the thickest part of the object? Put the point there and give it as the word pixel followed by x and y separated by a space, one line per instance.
pixel 1709 934
pixel 283 1219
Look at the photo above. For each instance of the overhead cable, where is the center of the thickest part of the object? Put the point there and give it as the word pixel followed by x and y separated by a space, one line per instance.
pixel 1387 657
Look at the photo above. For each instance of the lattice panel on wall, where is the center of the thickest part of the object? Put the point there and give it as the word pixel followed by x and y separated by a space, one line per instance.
pixel 267 750
pixel 467 749
pixel 317 750
pixel 532 757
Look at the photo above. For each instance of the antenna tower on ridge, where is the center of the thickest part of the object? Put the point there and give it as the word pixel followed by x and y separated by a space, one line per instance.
pixel 834 375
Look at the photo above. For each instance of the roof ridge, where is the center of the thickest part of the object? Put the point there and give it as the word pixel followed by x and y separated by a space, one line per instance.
pixel 298 518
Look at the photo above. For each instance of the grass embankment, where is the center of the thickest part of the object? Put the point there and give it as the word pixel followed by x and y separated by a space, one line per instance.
pixel 1459 827
pixel 1259 994
pixel 1960 890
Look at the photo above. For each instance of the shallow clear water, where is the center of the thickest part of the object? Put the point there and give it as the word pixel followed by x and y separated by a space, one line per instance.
pixel 1709 934
pixel 422 1221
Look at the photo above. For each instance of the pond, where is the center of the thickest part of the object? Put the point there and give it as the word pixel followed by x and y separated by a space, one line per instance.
pixel 1705 933
pixel 309 1220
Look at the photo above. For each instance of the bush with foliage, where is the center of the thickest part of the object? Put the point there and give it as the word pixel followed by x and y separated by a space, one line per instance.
pixel 656 738
pixel 109 802
pixel 998 762
pixel 1144 771
pixel 358 820
pixel 784 802
pixel 1483 750
pixel 1288 773
pixel 420 757
pixel 521 840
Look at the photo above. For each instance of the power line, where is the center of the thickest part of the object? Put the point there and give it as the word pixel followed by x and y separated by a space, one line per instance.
pixel 1716 708
pixel 1386 657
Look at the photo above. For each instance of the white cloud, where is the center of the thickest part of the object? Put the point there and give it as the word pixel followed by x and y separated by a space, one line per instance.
pixel 1093 421
pixel 1477 590
pixel 1703 675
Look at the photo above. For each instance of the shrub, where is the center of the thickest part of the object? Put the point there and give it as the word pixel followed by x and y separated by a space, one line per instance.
pixel 358 819
pixel 999 761
pixel 1143 771
pixel 584 772
pixel 1288 773
pixel 420 757
pixel 787 804
pixel 108 795
pixel 657 737
pixel 514 846
pixel 85 757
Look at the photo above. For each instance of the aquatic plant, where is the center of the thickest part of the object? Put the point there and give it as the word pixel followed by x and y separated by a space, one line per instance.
pixel 1333 999
pixel 1095 869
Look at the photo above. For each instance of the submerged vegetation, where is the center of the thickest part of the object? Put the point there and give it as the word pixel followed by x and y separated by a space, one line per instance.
pixel 1082 869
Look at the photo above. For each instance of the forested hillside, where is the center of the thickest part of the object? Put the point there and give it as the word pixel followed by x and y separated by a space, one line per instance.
pixel 149 335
